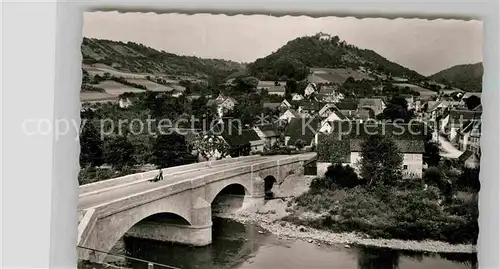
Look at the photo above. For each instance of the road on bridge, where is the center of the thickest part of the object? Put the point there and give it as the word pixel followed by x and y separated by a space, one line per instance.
pixel 119 191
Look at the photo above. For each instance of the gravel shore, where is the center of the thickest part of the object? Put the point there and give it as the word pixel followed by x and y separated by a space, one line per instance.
pixel 284 229
pixel 269 218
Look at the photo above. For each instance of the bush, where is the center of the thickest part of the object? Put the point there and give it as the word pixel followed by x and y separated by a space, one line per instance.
pixel 469 179
pixel 383 211
pixel 433 175
pixel 342 176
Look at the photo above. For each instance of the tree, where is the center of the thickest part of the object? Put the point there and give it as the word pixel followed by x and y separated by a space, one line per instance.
pixel 343 176
pixel 291 86
pixel 397 109
pixel 245 84
pixel 300 144
pixel 211 146
pixel 91 146
pixel 434 176
pixel 472 102
pixel 118 151
pixel 381 160
pixel 431 154
pixel 171 150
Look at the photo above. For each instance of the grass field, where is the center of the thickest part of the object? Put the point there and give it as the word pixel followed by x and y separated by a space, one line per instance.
pixel 335 75
pixel 424 93
pixel 115 88
pixel 96 96
pixel 151 85
pixel 100 69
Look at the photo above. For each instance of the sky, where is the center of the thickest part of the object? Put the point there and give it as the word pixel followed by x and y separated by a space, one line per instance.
pixel 426 46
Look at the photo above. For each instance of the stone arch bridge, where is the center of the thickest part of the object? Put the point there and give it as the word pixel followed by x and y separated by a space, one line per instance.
pixel 182 200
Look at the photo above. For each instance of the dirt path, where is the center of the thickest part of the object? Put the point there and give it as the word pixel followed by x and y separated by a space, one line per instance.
pixel 449 150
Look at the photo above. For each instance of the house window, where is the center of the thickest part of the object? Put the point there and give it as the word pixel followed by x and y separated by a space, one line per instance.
pixel 405 167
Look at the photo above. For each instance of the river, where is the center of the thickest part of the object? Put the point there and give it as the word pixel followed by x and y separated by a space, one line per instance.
pixel 247 246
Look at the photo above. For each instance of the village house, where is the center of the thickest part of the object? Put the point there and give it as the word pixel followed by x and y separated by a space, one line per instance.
pixel 410 100
pixel 285 104
pixel 272 87
pixel 327 94
pixel 409 139
pixel 327 124
pixel 268 133
pixel 310 89
pixel 239 140
pixel 464 133
pixel 454 120
pixel 301 129
pixel 125 103
pixel 437 108
pixel 467 95
pixel 177 93
pixel 369 108
pixel 297 97
pixel 326 109
pixel 470 159
pixel 289 114
pixel 308 108
pixel 451 92
pixel 349 108
pixel 222 103
pixel 412 151
pixel 277 90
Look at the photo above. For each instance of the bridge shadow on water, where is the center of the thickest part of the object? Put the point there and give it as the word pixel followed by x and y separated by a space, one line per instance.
pixel 232 243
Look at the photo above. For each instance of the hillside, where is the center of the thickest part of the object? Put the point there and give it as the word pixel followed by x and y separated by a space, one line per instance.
pixel 468 77
pixel 137 58
pixel 295 59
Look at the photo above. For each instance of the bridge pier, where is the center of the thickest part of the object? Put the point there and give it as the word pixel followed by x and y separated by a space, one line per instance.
pixel 199 233
pixel 255 199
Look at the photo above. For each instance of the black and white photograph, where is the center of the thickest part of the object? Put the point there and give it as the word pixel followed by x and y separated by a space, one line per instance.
pixel 214 141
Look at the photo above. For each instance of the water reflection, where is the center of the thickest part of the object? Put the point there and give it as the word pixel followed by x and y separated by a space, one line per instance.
pixel 244 246
pixel 371 258
pixel 229 247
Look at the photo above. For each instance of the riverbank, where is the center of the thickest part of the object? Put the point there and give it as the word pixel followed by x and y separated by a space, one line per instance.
pixel 270 218
pixel 284 229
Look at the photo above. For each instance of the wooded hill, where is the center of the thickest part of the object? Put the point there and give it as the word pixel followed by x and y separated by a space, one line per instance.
pixel 468 77
pixel 293 60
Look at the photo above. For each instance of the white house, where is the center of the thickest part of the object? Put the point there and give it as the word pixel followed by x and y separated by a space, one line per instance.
pixel 468 136
pixel 412 151
pixel 310 89
pixel 285 104
pixel 455 120
pixel 470 159
pixel 222 103
pixel 125 103
pixel 268 133
pixel 276 90
pixel 297 97
pixel 289 114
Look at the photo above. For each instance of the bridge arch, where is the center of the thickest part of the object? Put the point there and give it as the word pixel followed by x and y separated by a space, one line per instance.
pixel 110 229
pixel 232 187
pixel 269 182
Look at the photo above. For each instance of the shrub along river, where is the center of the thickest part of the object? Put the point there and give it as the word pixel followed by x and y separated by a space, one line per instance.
pixel 248 246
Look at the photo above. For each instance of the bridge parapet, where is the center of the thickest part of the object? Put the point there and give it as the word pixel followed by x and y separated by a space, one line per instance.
pixel 145 176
